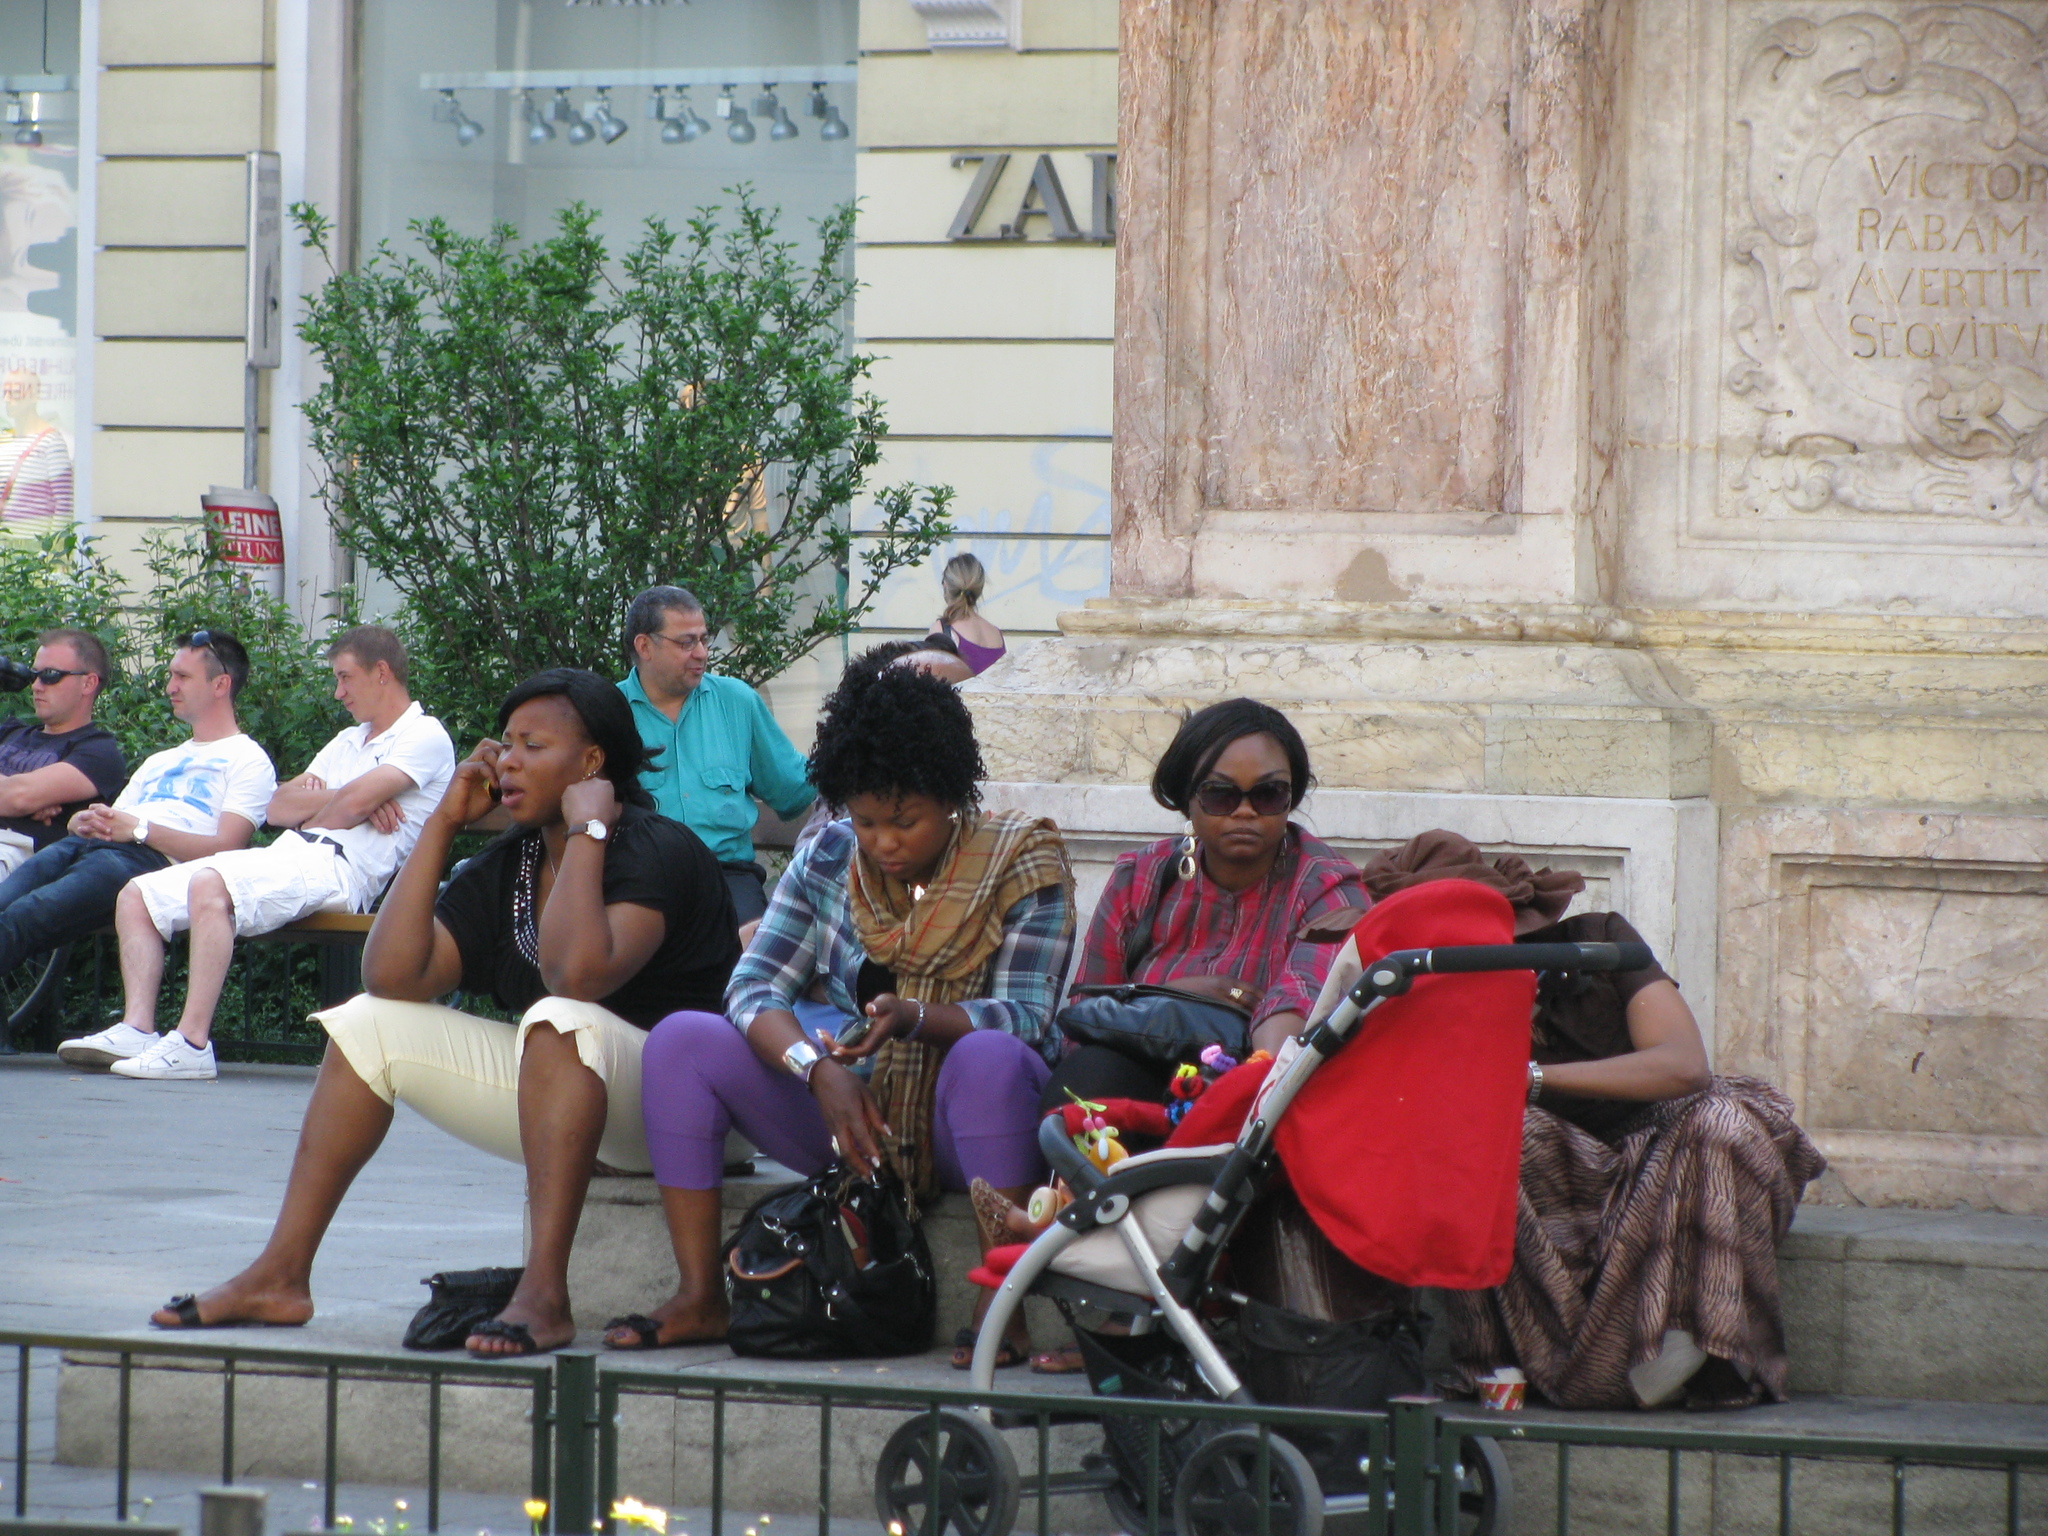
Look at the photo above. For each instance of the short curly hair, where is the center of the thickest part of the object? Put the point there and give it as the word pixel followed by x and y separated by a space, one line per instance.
pixel 896 731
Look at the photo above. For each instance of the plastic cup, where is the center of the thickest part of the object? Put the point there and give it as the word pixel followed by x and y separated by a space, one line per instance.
pixel 1503 1390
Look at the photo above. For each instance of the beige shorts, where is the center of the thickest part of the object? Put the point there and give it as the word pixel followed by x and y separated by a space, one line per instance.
pixel 14 852
pixel 462 1072
pixel 290 879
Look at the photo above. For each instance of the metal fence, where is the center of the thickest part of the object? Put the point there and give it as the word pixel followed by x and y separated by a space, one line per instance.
pixel 1423 1468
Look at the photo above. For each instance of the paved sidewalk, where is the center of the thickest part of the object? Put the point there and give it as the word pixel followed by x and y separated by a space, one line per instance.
pixel 115 1194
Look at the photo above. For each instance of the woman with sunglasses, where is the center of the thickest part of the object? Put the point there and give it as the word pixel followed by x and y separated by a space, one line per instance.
pixel 1227 898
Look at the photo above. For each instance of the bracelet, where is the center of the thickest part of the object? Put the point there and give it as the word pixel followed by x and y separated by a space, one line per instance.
pixel 917 1028
pixel 1535 1081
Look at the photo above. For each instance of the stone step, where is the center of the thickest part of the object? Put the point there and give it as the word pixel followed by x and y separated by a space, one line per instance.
pixel 1887 1311
pixel 1889 1303
pixel 772 1462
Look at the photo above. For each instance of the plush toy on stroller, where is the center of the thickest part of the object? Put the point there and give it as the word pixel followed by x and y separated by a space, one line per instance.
pixel 1396 1121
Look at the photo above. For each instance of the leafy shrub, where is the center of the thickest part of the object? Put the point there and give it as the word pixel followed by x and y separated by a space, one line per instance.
pixel 62 579
pixel 519 437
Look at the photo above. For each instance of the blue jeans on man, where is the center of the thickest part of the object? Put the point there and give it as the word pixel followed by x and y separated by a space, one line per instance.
pixel 63 893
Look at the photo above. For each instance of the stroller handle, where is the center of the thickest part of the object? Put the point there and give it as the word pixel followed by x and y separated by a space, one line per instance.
pixel 1537 957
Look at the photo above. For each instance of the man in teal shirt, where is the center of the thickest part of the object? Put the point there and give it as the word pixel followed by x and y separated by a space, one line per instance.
pixel 719 746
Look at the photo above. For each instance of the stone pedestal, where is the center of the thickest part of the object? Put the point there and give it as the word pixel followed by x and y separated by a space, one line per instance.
pixel 1609 428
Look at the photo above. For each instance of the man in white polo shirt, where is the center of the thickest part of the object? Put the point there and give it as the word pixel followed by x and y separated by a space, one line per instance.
pixel 354 815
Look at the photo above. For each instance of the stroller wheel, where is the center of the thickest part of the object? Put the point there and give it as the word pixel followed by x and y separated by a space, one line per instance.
pixel 966 1484
pixel 1486 1492
pixel 1218 1491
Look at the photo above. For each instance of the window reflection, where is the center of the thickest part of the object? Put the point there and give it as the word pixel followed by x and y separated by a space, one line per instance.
pixel 38 264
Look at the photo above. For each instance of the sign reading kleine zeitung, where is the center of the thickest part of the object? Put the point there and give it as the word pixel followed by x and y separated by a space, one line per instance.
pixel 1888 288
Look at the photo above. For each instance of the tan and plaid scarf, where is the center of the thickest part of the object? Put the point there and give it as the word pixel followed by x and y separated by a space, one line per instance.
pixel 939 946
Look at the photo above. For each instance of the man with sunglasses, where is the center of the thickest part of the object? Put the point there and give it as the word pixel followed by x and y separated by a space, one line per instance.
pixel 59 762
pixel 715 746
pixel 203 796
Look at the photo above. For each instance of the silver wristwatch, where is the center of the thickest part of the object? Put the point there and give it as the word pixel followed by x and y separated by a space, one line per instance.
pixel 801 1059
pixel 593 829
pixel 141 832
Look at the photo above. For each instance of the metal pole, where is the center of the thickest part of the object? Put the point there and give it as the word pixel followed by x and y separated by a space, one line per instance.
pixel 1413 1422
pixel 251 375
pixel 575 1417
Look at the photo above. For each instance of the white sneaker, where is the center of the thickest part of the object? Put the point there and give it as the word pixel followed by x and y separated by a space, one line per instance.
pixel 173 1056
pixel 117 1042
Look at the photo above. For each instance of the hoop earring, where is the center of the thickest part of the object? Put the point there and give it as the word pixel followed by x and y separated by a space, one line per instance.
pixel 1187 854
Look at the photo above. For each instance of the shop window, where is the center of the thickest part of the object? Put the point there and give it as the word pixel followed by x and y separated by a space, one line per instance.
pixel 38 264
pixel 504 111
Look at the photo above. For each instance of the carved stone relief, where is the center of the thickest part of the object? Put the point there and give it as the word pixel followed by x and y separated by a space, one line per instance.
pixel 1886 288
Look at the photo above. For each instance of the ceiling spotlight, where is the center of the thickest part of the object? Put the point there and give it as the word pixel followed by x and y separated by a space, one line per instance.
pixel 739 128
pixel 817 102
pixel 467 129
pixel 765 104
pixel 562 110
pixel 26 129
pixel 610 127
pixel 693 127
pixel 672 131
pixel 784 128
pixel 538 129
pixel 834 126
pixel 582 131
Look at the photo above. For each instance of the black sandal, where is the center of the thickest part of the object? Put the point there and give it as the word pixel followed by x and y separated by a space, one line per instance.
pixel 646 1332
pixel 963 1352
pixel 518 1333
pixel 187 1308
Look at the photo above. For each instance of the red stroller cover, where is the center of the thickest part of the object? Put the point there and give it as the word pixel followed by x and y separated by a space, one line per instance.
pixel 1406 1147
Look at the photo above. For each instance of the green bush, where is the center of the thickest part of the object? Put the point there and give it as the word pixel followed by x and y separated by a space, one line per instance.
pixel 520 436
pixel 62 579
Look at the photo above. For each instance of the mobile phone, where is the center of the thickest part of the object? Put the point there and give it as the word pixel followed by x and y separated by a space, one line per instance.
pixel 854 1033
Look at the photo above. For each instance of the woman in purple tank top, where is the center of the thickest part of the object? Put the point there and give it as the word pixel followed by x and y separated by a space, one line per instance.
pixel 979 642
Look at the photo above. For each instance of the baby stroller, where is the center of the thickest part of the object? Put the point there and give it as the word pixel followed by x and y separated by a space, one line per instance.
pixel 1133 1264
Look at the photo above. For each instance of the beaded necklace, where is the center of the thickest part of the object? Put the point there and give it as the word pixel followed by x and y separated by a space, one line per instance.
pixel 526 899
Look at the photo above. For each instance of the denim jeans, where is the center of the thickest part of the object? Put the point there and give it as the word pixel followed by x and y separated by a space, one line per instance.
pixel 63 893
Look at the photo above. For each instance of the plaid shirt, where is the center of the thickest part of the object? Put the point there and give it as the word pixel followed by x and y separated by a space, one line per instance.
pixel 1201 929
pixel 808 932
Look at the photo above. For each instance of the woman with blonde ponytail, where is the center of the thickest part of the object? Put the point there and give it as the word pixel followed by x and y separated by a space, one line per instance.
pixel 979 642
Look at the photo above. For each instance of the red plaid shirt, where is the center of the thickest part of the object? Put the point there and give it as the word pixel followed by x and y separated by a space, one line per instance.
pixel 1201 929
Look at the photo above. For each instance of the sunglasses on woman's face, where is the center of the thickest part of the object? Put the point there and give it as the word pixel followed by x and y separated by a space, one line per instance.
pixel 1219 798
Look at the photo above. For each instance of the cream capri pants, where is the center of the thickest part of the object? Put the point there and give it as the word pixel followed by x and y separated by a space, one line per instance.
pixel 462 1072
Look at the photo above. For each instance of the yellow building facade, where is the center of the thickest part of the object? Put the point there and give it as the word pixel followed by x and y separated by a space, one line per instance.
pixel 992 351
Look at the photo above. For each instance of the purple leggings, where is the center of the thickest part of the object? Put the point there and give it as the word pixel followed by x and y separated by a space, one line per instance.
pixel 699 1078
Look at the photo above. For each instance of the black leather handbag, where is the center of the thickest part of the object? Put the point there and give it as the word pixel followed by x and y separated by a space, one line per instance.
pixel 1157 1023
pixel 457 1300
pixel 830 1269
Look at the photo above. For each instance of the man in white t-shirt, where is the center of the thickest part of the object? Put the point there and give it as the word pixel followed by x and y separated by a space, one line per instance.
pixel 204 796
pixel 354 816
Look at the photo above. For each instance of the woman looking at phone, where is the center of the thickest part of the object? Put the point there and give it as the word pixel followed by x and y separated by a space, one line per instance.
pixel 588 920
pixel 963 923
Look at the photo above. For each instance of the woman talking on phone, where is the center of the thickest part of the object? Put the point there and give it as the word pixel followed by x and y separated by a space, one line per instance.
pixel 587 921
pixel 939 935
